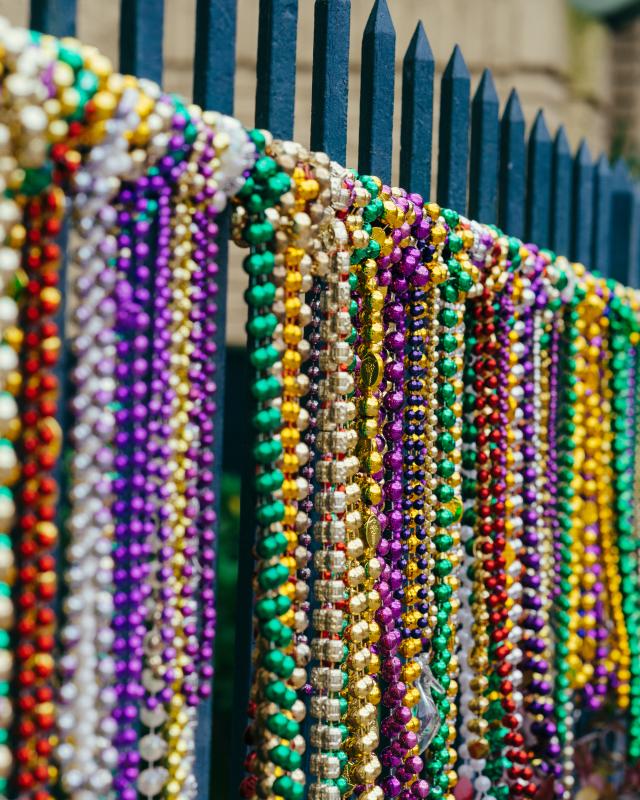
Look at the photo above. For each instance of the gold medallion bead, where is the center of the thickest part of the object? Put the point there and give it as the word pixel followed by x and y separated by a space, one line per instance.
pixel 446 497
pixel 336 468
pixel 362 693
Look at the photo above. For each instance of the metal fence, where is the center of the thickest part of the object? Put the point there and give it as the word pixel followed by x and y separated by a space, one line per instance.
pixel 534 188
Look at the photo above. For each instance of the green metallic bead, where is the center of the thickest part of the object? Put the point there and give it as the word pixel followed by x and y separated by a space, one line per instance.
pixel 464 282
pixel 446 394
pixel 267 482
pixel 446 367
pixel 448 317
pixel 442 591
pixel 444 518
pixel 271 629
pixel 260 295
pixel 264 357
pixel 446 417
pixel 273 545
pixel 443 542
pixel 274 576
pixel 266 388
pixel 455 242
pixel 448 342
pixel 443 568
pixel 449 291
pixel 445 468
pixel 266 609
pixel 445 442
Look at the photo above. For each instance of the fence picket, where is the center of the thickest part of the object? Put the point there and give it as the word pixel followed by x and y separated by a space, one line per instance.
pixel 330 86
pixel 213 88
pixel 601 214
pixel 141 31
pixel 416 128
pixel 485 146
pixel 55 17
pixel 376 93
pixel 453 136
pixel 623 224
pixel 214 63
pixel 582 229
pixel 539 183
pixel 512 168
pixel 276 66
pixel 561 186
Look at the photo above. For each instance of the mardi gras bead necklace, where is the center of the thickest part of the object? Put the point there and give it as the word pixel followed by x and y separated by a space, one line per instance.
pixel 41 442
pixel 561 615
pixel 458 277
pixel 403 261
pixel 275 702
pixel 634 705
pixel 619 655
pixel 87 697
pixel 363 531
pixel 336 468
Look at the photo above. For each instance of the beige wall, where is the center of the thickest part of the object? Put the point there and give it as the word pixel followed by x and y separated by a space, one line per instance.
pixel 557 59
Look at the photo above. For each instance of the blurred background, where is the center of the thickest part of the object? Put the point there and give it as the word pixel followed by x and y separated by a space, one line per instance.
pixel 577 59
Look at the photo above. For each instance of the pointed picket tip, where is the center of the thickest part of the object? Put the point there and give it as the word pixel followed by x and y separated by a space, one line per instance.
pixel 456 68
pixel 419 49
pixel 540 131
pixel 513 109
pixel 583 154
pixel 561 143
pixel 602 166
pixel 486 92
pixel 620 174
pixel 379 21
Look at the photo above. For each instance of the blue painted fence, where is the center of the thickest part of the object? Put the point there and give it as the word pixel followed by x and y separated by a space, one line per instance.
pixel 534 187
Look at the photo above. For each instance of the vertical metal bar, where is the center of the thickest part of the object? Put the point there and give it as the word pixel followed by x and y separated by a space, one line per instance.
pixel 512 168
pixel 582 228
pixel 376 93
pixel 623 225
pixel 330 84
pixel 453 140
pixel 214 66
pixel 561 194
pixel 55 17
pixel 485 146
pixel 416 126
pixel 601 215
pixel 213 87
pixel 539 183
pixel 276 66
pixel 141 32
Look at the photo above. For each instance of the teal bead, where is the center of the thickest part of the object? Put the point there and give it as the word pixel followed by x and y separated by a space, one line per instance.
pixel 266 609
pixel 446 417
pixel 443 568
pixel 446 394
pixel 448 317
pixel 271 546
pixel 274 576
pixel 267 420
pixel 465 282
pixel 448 342
pixel 444 518
pixel 264 357
pixel 445 442
pixel 443 543
pixel 267 482
pixel 445 468
pixel 260 295
pixel 451 217
pixel 271 629
pixel 266 388
pixel 446 367
pixel 455 243
pixel 449 291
